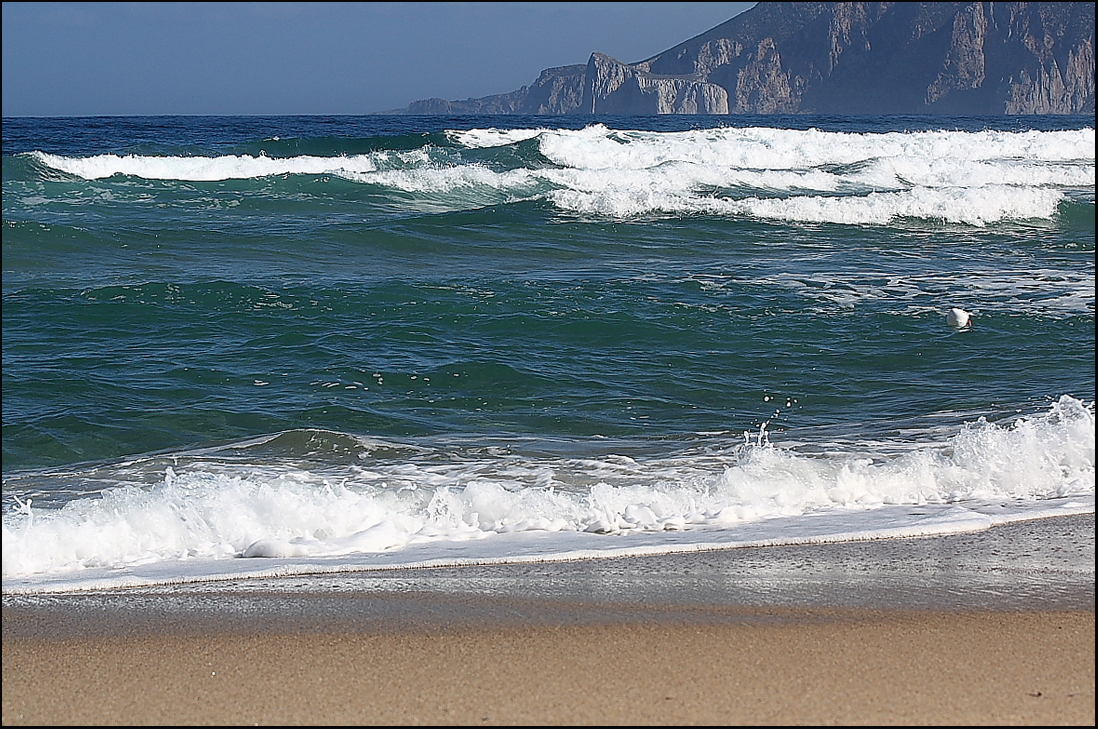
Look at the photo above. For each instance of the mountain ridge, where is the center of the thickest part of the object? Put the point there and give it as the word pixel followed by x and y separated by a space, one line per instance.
pixel 974 58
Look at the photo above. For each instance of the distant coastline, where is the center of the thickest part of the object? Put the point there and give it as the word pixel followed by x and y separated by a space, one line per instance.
pixel 969 59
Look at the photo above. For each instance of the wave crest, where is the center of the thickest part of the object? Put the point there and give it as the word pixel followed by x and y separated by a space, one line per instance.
pixel 371 497
pixel 972 178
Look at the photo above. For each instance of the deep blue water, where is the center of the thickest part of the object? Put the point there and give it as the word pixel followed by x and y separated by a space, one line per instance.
pixel 466 297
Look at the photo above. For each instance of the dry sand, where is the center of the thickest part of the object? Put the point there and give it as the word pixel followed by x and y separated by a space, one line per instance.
pixel 444 647
pixel 849 668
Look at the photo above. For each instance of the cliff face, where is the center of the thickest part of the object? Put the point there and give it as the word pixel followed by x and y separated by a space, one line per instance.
pixel 837 58
pixel 557 91
pixel 612 87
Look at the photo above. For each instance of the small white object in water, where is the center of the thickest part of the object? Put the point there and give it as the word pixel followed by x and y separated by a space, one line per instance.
pixel 959 318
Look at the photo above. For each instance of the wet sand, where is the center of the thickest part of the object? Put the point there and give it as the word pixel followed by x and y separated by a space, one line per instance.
pixel 995 627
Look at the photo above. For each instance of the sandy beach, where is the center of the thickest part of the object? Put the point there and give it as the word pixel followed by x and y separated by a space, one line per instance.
pixel 842 641
pixel 853 668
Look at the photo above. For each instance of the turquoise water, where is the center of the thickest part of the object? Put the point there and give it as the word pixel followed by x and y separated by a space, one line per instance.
pixel 407 308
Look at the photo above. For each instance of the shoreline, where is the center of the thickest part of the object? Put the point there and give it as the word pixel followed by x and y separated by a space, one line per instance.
pixel 993 627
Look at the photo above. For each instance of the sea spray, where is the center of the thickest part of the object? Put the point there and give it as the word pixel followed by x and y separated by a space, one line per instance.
pixel 218 510
pixel 239 347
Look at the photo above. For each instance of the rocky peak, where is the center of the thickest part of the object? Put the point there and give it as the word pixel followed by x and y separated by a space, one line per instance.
pixel 847 58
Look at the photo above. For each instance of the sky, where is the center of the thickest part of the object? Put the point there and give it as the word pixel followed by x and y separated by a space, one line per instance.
pixel 106 59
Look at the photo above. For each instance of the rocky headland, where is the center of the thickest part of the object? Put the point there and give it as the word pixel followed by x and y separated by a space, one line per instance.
pixel 977 58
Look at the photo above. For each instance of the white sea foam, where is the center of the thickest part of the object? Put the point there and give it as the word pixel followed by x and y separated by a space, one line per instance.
pixel 203 518
pixel 956 177
pixel 974 206
pixel 1032 292
pixel 597 146
pixel 483 138
pixel 204 169
pixel 973 178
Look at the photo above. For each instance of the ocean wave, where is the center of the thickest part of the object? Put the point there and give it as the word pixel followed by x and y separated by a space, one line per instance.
pixel 278 497
pixel 203 169
pixel 811 176
pixel 597 147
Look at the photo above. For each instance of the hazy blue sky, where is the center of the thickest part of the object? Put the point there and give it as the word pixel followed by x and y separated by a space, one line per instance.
pixel 68 59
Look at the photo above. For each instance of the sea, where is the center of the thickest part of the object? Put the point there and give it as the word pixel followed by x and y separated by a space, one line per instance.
pixel 265 347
